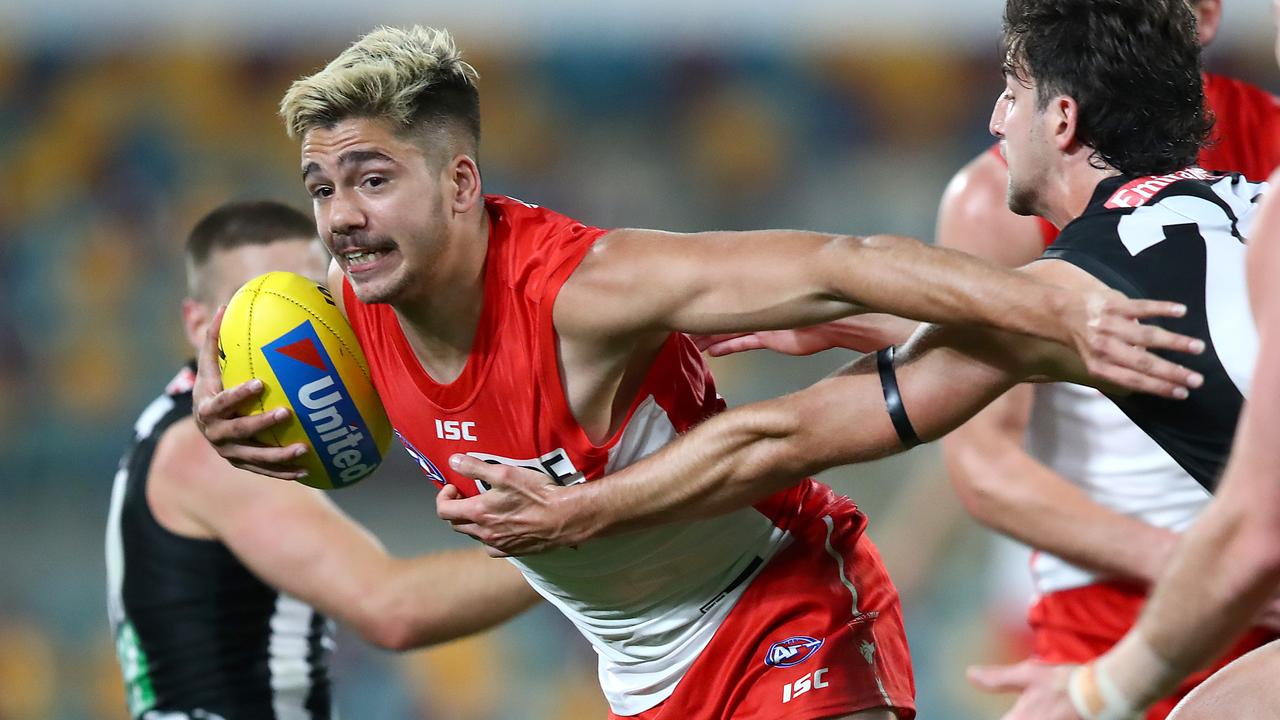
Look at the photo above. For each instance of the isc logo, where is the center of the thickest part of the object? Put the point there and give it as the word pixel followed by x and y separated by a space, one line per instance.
pixel 812 681
pixel 455 430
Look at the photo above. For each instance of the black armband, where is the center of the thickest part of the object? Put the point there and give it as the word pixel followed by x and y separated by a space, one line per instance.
pixel 893 399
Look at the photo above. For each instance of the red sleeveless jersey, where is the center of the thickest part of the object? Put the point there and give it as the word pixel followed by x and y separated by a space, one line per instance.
pixel 649 601
pixel 508 404
pixel 1245 139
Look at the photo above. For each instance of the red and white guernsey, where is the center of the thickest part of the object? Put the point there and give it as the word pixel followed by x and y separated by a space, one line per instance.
pixel 649 602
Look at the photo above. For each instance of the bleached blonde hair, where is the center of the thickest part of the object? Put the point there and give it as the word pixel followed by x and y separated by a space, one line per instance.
pixel 402 75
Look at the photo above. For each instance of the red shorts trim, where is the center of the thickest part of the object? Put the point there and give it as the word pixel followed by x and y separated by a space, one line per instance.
pixel 1078 625
pixel 828 661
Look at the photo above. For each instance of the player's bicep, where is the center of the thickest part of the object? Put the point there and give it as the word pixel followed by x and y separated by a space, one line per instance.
pixel 703 283
pixel 844 418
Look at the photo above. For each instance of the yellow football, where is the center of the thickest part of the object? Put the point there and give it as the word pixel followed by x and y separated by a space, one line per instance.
pixel 286 331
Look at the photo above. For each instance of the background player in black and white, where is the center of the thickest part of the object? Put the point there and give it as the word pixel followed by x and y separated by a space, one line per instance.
pixel 217 581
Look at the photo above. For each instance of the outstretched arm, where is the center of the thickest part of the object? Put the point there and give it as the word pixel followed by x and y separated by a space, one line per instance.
pixel 635 282
pixel 296 540
pixel 945 375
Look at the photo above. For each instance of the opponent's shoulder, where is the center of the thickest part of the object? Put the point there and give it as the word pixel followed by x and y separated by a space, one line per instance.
pixel 974 216
pixel 195 492
pixel 182 477
pixel 336 281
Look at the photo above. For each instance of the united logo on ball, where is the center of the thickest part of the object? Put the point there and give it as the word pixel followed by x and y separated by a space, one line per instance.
pixel 286 331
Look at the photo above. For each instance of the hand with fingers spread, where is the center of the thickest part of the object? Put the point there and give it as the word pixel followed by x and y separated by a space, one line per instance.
pixel 1115 347
pixel 230 433
pixel 520 514
pixel 863 333
pixel 1043 688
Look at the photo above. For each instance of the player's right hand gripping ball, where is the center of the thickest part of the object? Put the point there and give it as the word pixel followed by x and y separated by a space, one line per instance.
pixel 286 331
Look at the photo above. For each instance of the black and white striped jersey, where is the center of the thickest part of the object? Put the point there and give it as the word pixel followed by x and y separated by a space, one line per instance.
pixel 1180 237
pixel 198 636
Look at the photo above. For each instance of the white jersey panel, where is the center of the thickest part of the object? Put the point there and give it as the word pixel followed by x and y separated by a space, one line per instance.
pixel 145 425
pixel 1083 436
pixel 650 601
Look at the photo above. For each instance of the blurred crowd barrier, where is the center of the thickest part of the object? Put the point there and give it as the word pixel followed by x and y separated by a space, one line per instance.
pixel 109 156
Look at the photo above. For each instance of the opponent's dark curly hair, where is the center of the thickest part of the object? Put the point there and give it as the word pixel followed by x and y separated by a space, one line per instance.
pixel 1132 66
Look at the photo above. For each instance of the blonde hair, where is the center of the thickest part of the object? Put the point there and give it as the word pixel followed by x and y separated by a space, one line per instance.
pixel 396 74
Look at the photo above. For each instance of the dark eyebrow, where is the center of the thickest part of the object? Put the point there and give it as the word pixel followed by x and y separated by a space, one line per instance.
pixel 348 158
pixel 359 156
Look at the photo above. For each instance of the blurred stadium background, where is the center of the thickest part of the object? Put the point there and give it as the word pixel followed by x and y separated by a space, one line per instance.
pixel 121 123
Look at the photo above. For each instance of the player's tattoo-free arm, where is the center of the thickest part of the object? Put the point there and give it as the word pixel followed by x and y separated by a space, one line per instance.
pixel 295 539
pixel 747 453
pixel 946 374
pixel 638 281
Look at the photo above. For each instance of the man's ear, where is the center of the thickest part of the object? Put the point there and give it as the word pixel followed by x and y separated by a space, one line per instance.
pixel 196 317
pixel 464 177
pixel 1063 119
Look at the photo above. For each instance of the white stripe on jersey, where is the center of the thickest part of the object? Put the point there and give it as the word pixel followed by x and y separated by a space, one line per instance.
pixel 844 579
pixel 287 652
pixel 142 429
pixel 1230 318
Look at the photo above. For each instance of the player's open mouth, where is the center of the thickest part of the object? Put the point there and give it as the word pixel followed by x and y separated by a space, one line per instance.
pixel 364 260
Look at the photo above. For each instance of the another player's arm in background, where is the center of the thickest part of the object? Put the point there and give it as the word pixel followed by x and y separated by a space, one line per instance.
pixel 998 481
pixel 945 375
pixel 216 408
pixel 634 282
pixel 296 540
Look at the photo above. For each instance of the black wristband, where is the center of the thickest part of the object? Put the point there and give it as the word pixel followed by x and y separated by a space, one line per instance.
pixel 893 399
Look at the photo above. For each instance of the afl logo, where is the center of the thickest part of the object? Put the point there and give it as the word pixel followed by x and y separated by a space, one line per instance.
pixel 792 651
pixel 428 467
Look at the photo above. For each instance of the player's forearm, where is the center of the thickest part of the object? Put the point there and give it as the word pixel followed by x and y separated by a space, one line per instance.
pixel 1218 580
pixel 742 456
pixel 1228 565
pixel 728 462
pixel 905 277
pixel 443 596
pixel 1009 491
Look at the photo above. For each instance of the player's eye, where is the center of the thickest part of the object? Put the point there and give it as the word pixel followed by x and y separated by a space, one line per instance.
pixel 321 191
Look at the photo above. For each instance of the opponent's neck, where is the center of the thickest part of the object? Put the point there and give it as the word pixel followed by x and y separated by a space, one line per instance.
pixel 1069 193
